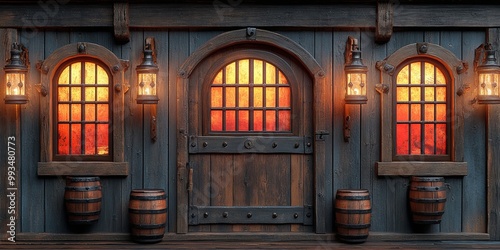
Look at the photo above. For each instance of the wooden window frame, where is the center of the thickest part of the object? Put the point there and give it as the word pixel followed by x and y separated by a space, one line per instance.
pixel 388 165
pixel 449 100
pixel 51 166
pixel 81 157
pixel 265 56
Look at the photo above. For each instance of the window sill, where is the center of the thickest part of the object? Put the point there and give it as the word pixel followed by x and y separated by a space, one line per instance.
pixel 409 168
pixel 79 168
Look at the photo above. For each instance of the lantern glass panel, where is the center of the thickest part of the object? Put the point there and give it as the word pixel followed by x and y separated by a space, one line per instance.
pixel 488 83
pixel 15 83
pixel 147 83
pixel 356 83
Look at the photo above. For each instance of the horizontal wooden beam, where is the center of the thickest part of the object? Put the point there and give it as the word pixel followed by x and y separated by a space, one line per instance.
pixel 28 238
pixel 32 17
pixel 405 168
pixel 83 168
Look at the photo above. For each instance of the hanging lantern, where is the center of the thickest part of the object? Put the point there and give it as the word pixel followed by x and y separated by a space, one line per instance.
pixel 15 77
pixel 488 77
pixel 147 73
pixel 355 73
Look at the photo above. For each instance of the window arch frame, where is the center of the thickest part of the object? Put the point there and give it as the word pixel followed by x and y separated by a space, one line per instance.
pixel 55 85
pixel 388 166
pixel 449 110
pixel 50 166
pixel 250 53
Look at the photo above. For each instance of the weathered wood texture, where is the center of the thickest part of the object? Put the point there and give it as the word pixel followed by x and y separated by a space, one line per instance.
pixel 51 14
pixel 10 149
pixel 346 165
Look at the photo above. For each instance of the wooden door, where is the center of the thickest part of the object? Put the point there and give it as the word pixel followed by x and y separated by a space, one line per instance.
pixel 250 143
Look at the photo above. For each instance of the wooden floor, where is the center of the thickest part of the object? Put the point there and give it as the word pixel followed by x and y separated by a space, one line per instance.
pixel 254 245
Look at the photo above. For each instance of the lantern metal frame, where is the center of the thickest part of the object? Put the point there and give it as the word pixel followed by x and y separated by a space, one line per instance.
pixel 148 67
pixel 488 67
pixel 354 66
pixel 18 65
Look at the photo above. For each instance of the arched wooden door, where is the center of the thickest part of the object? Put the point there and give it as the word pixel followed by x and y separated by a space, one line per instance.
pixel 250 140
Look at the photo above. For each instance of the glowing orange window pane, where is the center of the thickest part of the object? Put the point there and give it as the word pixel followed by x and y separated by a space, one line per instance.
pixel 83 109
pixel 422 112
pixel 63 139
pixel 250 95
pixel 90 143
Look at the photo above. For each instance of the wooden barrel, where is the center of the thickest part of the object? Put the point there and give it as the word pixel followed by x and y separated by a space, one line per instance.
pixel 148 215
pixel 352 215
pixel 82 199
pixel 427 199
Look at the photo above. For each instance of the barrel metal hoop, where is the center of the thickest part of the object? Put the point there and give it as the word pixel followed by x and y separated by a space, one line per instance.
pixel 83 179
pixel 353 226
pixel 93 200
pixel 353 198
pixel 83 189
pixel 142 211
pixel 428 200
pixel 428 189
pixel 85 213
pixel 348 211
pixel 148 226
pixel 148 198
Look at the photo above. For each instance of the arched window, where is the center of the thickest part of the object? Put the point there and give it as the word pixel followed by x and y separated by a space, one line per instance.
pixel 83 108
pixel 82 112
pixel 250 95
pixel 423 110
pixel 421 120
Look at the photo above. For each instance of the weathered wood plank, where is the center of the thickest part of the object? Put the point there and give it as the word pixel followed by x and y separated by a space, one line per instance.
pixel 83 168
pixel 11 157
pixel 37 17
pixel 493 157
pixel 121 21
pixel 385 20
pixel 421 168
pixel 473 194
pixel 178 52
pixel 32 186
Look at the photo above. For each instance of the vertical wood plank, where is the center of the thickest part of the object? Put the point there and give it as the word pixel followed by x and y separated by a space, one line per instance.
pixel 32 186
pixel 397 213
pixel 222 184
pixel 10 127
pixel 493 156
pixel 450 222
pixel 370 130
pixel 155 152
pixel 55 221
pixel 347 155
pixel 323 52
pixel 178 53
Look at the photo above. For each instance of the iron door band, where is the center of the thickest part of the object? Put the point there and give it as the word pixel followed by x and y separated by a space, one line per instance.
pixel 250 144
pixel 251 215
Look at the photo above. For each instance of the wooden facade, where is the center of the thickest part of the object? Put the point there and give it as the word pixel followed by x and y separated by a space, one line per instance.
pixel 190 38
